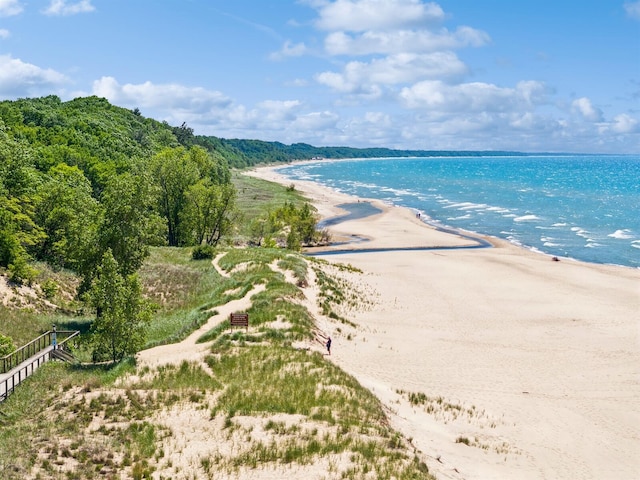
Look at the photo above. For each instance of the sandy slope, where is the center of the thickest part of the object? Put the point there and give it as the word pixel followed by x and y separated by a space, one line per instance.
pixel 537 363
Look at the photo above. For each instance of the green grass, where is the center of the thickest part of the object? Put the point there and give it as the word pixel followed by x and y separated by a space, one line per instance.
pixel 269 379
pixel 187 376
pixel 256 196
pixel 180 288
pixel 255 374
pixel 35 420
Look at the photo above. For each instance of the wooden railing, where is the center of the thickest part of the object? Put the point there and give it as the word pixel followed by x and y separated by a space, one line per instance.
pixel 25 360
pixel 34 346
pixel 8 385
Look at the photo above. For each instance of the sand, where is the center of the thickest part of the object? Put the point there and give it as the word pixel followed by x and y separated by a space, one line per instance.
pixel 531 367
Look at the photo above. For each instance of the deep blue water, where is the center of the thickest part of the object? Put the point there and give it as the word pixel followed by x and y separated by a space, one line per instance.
pixel 582 207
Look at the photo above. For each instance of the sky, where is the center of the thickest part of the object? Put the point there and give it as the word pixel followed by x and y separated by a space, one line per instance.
pixel 525 75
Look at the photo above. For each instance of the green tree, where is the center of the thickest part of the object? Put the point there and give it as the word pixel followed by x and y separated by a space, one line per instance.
pixel 18 232
pixel 6 345
pixel 130 225
pixel 305 224
pixel 174 171
pixel 296 225
pixel 184 134
pixel 122 315
pixel 210 212
pixel 69 216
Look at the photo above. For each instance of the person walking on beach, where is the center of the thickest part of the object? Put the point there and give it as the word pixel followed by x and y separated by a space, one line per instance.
pixel 329 345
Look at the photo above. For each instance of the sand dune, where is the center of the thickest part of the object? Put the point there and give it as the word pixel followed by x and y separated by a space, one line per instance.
pixel 529 368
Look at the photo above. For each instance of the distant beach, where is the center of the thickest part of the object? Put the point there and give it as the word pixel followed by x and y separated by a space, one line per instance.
pixel 517 366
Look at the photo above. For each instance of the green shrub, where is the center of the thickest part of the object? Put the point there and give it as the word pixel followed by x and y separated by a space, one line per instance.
pixel 202 252
pixel 6 345
pixel 49 288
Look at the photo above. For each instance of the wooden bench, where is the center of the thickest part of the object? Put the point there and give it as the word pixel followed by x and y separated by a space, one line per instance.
pixel 239 320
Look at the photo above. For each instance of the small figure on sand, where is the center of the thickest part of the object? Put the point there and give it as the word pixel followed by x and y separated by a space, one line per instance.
pixel 324 340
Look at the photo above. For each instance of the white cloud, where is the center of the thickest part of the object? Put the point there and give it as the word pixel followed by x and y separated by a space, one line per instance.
pixel 362 15
pixel 393 70
pixel 633 9
pixel 63 7
pixel 4 33
pixel 21 79
pixel 583 107
pixel 389 42
pixel 315 121
pixel 278 110
pixel 289 49
pixel 164 97
pixel 399 40
pixel 474 97
pixel 213 113
pixel 10 7
pixel 625 123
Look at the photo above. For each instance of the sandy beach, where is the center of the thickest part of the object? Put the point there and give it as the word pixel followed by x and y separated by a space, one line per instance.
pixel 526 368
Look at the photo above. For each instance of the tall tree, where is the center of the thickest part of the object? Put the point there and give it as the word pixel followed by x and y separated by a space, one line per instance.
pixel 174 171
pixel 129 224
pixel 19 233
pixel 210 211
pixel 69 216
pixel 122 317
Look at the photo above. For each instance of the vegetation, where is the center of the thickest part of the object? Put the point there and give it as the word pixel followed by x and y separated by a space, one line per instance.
pixel 109 224
pixel 122 314
pixel 253 152
pixel 274 404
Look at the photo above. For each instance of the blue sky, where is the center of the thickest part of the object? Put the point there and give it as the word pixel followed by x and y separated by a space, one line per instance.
pixel 527 75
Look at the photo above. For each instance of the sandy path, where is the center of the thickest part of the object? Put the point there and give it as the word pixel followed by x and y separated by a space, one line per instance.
pixel 188 349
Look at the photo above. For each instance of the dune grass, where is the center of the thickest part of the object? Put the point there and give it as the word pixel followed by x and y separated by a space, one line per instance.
pixel 276 404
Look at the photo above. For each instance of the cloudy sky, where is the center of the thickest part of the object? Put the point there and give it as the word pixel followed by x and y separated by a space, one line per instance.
pixel 528 75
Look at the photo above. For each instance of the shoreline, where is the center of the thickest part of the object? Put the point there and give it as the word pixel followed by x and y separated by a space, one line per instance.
pixel 430 222
pixel 529 367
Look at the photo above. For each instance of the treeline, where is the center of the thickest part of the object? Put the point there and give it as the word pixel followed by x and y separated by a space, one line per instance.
pixel 80 178
pixel 252 152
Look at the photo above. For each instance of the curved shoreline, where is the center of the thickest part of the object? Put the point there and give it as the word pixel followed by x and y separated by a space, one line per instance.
pixel 354 214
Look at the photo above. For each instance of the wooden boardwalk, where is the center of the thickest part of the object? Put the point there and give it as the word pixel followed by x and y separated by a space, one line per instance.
pixel 18 365
pixel 11 379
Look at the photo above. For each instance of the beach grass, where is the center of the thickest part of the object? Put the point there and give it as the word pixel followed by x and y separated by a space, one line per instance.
pixel 97 422
pixel 268 402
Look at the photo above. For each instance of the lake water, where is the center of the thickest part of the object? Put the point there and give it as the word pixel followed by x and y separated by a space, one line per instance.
pixel 585 207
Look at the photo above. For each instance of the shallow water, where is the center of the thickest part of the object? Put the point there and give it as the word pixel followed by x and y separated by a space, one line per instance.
pixel 579 206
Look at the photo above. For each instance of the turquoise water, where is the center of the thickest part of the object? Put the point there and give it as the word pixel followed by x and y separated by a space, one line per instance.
pixel 582 207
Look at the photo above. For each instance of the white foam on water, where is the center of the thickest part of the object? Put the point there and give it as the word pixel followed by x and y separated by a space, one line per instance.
pixel 498 209
pixel 526 218
pixel 623 234
pixel 552 244
pixel 580 232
